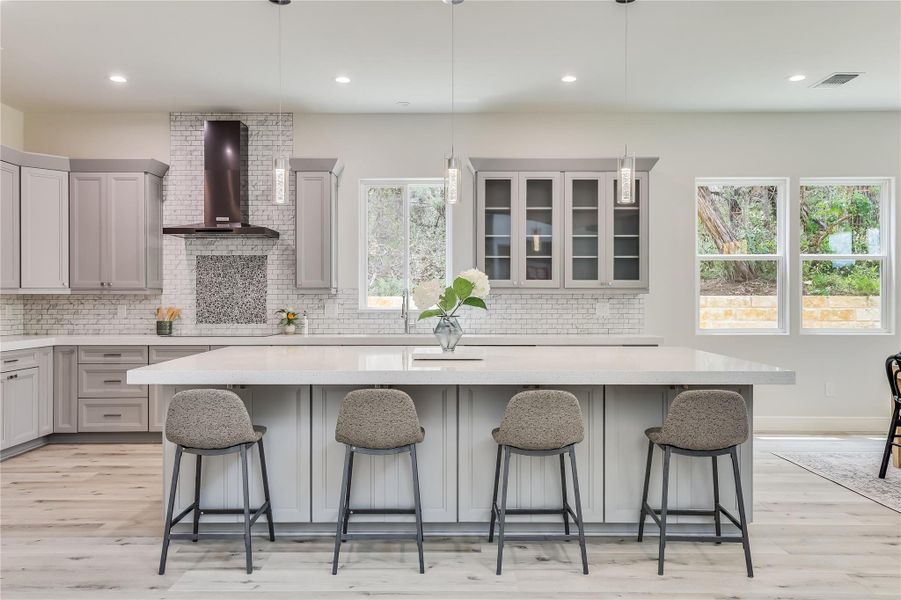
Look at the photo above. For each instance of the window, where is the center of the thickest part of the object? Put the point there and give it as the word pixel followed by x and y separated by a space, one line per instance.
pixel 405 238
pixel 845 258
pixel 740 260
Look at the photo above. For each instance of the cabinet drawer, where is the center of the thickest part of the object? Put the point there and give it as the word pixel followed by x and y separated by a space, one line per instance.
pixel 108 381
pixel 112 414
pixel 20 359
pixel 160 354
pixel 112 354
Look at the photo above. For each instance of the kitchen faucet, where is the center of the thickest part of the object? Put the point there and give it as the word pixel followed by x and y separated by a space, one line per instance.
pixel 405 310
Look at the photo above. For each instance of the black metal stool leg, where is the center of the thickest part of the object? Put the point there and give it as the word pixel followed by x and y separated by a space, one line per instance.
pixel 341 509
pixel 169 508
pixel 578 498
pixel 716 499
pixel 643 513
pixel 497 476
pixel 563 486
pixel 350 479
pixel 667 453
pixel 266 498
pixel 197 472
pixel 248 553
pixel 417 505
pixel 741 512
pixel 503 511
pixel 890 439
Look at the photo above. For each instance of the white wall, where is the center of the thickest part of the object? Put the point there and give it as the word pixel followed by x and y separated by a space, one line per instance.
pixel 99 135
pixel 689 145
pixel 12 127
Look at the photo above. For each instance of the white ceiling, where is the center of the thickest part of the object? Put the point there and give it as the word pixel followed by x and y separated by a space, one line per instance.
pixel 684 56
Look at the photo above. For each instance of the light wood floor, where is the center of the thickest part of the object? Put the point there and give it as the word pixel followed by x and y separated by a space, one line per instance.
pixel 84 522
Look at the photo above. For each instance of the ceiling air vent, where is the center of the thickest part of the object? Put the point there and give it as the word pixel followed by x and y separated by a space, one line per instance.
pixel 836 80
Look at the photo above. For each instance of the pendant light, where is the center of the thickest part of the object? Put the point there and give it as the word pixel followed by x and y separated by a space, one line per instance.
pixel 279 161
pixel 452 163
pixel 626 163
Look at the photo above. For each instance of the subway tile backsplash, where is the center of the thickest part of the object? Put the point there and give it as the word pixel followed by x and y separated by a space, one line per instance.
pixel 185 273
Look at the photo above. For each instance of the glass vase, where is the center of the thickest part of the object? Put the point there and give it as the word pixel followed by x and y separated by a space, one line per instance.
pixel 448 332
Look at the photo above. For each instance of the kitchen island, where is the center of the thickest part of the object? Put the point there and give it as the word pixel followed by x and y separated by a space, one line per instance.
pixel 295 392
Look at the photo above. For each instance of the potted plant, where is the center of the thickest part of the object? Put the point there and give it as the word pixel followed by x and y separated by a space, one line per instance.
pixel 165 318
pixel 287 319
pixel 469 288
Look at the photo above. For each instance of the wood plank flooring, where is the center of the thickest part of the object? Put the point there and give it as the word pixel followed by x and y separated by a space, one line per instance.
pixel 83 521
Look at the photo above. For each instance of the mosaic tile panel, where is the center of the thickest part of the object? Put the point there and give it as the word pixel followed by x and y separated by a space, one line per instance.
pixel 231 289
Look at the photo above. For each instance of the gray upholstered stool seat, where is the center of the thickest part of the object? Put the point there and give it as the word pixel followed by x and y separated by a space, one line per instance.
pixel 377 421
pixel 205 423
pixel 700 423
pixel 538 423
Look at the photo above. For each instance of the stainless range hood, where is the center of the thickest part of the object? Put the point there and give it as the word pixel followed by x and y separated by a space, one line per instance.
pixel 225 185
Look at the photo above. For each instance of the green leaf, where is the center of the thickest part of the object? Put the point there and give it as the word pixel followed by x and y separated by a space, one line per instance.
pixel 477 302
pixel 463 288
pixel 448 300
pixel 427 314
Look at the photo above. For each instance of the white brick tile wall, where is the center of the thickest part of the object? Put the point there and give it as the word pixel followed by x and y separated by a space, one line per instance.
pixel 509 313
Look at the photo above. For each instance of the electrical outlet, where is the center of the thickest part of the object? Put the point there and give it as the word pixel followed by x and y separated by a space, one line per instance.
pixel 122 312
pixel 602 308
pixel 829 389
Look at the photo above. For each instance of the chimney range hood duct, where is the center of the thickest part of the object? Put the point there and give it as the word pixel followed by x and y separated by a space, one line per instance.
pixel 225 185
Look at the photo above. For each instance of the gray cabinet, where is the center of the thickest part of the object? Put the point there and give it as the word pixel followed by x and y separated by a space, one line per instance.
pixel 65 389
pixel 627 235
pixel 106 402
pixel 9 226
pixel 316 230
pixel 44 229
pixel 26 402
pixel 116 231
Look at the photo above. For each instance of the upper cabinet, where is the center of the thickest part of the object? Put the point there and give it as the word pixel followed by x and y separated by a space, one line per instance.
pixel 316 222
pixel 116 231
pixel 35 223
pixel 560 229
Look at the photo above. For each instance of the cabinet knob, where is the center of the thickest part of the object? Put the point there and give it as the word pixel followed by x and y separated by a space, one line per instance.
pixel 13 376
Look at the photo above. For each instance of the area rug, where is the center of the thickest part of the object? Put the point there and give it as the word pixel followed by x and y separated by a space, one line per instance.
pixel 855 471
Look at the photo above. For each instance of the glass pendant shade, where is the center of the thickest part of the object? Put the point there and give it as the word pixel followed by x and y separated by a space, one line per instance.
pixel 280 181
pixel 452 180
pixel 626 170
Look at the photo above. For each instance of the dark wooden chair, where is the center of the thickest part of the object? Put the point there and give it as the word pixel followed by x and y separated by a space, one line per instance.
pixel 893 372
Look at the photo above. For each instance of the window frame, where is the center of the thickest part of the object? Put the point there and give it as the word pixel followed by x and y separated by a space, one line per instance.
pixel 780 257
pixel 887 252
pixel 363 239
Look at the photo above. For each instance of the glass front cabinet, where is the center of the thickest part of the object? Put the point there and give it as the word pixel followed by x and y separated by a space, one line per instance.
pixel 561 229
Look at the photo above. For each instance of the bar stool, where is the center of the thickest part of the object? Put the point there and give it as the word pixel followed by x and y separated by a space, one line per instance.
pixel 707 423
pixel 212 423
pixel 538 423
pixel 377 422
pixel 893 372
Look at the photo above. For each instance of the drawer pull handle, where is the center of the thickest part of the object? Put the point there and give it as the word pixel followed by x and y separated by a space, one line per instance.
pixel 112 381
pixel 107 415
pixel 10 360
pixel 112 355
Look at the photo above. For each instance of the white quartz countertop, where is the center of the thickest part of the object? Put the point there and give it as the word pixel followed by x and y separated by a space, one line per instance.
pixel 503 365
pixel 24 342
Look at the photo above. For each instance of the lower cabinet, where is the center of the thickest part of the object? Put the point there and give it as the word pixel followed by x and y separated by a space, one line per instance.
pixel 65 389
pixel 112 414
pixel 387 481
pixel 534 481
pixel 105 402
pixel 27 396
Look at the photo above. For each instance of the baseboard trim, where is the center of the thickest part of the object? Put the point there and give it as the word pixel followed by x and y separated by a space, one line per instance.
pixel 869 425
pixel 24 447
pixel 125 437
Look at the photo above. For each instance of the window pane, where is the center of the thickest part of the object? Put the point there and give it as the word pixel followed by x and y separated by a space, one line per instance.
pixel 739 219
pixel 739 294
pixel 385 246
pixel 840 219
pixel 428 233
pixel 841 294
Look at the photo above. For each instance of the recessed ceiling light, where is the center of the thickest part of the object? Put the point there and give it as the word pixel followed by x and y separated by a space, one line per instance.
pixel 568 78
pixel 342 79
pixel 402 103
pixel 798 77
pixel 117 79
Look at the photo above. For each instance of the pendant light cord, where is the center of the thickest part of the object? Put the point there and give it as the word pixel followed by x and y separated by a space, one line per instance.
pixel 453 103
pixel 279 62
pixel 626 60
